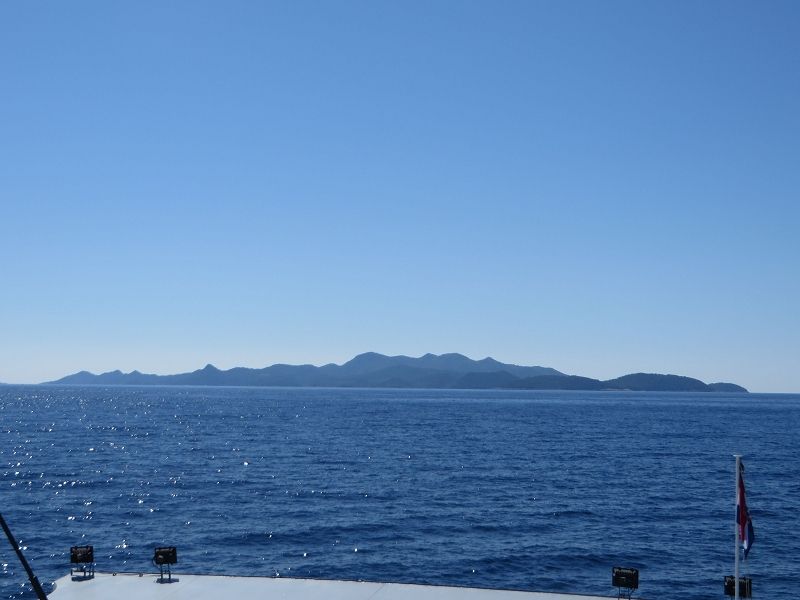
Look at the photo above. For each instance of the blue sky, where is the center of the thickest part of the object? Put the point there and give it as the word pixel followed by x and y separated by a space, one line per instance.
pixel 599 187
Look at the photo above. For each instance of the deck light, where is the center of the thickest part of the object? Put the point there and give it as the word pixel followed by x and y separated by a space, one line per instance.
pixel 164 557
pixel 745 586
pixel 626 580
pixel 83 558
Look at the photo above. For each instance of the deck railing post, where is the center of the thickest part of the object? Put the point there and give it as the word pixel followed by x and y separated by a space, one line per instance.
pixel 31 577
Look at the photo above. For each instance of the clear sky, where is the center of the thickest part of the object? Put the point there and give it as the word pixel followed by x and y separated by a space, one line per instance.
pixel 598 187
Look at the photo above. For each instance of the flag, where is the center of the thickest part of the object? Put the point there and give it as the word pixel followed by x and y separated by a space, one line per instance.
pixel 746 535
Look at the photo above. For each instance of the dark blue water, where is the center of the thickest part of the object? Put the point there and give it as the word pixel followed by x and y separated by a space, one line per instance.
pixel 525 490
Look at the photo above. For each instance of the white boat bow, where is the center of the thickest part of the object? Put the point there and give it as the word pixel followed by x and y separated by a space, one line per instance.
pixel 127 586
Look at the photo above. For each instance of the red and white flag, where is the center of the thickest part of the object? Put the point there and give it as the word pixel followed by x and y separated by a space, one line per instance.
pixel 746 535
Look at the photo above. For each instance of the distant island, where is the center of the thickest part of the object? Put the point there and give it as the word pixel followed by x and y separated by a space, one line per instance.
pixel 373 370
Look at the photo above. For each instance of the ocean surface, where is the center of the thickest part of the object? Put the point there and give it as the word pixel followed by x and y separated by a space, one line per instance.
pixel 518 490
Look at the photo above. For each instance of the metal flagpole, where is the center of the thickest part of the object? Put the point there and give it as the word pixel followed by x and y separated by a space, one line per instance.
pixel 736 528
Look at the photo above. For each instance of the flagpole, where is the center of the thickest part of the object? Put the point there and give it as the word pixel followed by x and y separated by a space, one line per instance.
pixel 736 529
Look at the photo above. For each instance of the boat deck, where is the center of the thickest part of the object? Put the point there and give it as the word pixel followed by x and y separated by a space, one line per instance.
pixel 212 587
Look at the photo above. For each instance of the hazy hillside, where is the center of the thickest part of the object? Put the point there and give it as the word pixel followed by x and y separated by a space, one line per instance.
pixel 429 371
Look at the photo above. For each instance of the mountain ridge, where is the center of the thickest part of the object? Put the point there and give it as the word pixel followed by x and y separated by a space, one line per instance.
pixel 371 369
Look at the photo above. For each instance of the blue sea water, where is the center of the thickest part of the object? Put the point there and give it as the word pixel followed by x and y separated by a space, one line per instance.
pixel 520 490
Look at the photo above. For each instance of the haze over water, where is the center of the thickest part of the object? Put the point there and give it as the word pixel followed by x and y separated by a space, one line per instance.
pixel 524 490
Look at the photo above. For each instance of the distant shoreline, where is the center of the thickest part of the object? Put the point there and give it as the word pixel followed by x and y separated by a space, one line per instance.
pixel 51 384
pixel 377 371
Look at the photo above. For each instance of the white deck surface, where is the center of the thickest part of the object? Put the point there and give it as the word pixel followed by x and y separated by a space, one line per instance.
pixel 106 586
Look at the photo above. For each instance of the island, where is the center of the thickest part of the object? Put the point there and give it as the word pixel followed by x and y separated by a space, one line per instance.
pixel 373 370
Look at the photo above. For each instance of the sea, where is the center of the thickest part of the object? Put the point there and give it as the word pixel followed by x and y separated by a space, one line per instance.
pixel 520 490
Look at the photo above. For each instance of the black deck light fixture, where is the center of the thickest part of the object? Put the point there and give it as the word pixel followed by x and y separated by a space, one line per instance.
pixel 164 557
pixel 83 559
pixel 626 580
pixel 745 586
